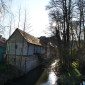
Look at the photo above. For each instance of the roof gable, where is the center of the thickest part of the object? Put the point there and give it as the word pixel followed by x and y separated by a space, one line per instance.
pixel 29 38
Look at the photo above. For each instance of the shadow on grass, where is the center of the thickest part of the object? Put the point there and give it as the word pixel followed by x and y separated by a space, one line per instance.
pixel 72 77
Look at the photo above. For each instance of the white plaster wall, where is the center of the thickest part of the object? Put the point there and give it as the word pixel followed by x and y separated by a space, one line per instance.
pixel 20 50
pixel 24 63
pixel 30 49
pixel 32 63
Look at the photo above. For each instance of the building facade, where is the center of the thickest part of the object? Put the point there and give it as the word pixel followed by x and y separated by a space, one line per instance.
pixel 24 50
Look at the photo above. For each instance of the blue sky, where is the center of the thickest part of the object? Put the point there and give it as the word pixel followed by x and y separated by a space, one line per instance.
pixel 37 16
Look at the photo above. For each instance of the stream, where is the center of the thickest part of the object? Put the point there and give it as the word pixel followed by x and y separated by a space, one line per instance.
pixel 38 76
pixel 83 83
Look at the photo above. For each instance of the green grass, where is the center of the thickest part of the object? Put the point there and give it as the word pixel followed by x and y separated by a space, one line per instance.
pixel 70 78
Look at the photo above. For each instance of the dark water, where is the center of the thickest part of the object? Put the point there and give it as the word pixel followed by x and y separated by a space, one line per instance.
pixel 28 79
pixel 83 83
pixel 38 76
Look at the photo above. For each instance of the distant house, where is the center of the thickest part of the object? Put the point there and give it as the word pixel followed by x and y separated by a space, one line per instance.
pixel 2 47
pixel 50 44
pixel 24 50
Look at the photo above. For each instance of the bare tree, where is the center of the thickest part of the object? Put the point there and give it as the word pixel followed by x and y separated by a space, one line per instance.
pixel 3 10
pixel 63 12
pixel 19 17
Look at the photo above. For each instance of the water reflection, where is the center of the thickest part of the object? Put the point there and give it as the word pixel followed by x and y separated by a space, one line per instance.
pixel 51 79
pixel 83 83
pixel 51 76
pixel 29 79
pixel 38 76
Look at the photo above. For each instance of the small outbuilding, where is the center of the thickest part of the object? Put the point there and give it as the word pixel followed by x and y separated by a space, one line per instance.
pixel 2 48
pixel 24 50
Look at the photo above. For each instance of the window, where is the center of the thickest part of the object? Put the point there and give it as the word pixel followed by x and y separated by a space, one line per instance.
pixel 15 46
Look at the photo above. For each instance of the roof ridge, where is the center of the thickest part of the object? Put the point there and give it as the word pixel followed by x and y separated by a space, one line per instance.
pixel 29 38
pixel 27 33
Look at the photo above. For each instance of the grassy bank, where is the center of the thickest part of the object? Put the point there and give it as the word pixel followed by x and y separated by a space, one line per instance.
pixel 72 77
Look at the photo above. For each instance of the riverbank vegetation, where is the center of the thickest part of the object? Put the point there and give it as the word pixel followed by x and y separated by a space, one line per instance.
pixel 73 75
pixel 67 25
